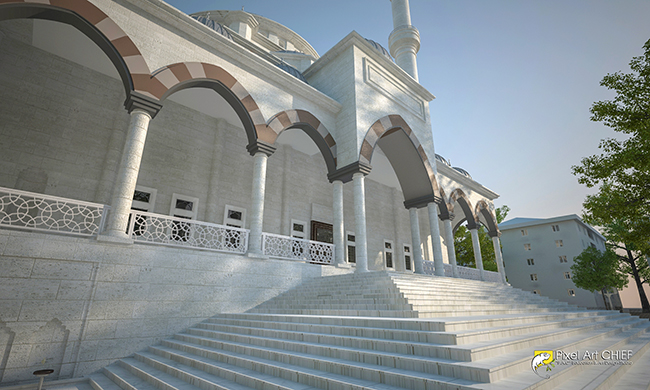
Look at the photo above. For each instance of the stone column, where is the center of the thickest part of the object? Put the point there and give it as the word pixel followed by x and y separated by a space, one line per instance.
pixel 435 238
pixel 499 258
pixel 415 239
pixel 360 222
pixel 476 245
pixel 127 174
pixel 257 207
pixel 339 231
pixel 451 249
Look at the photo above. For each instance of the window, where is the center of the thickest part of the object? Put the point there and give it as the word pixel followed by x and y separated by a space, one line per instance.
pixel 185 207
pixel 298 229
pixel 234 216
pixel 572 292
pixel 533 277
pixel 531 261
pixel 144 199
pixel 562 259
pixel 526 247
pixel 524 232
pixel 352 249
pixel 592 244
pixel 567 275
pixel 407 257
pixel 536 292
pixel 556 228
pixel 558 243
pixel 388 253
pixel 590 234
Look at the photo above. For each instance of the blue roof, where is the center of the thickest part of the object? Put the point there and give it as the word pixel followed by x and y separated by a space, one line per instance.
pixel 214 25
pixel 379 48
pixel 292 71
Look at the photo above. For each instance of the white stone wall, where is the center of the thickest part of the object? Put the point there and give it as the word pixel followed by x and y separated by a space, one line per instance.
pixel 79 304
pixel 55 117
pixel 166 36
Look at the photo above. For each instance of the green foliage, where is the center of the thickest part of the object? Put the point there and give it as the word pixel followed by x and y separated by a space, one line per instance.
pixel 623 169
pixel 465 250
pixel 622 172
pixel 594 270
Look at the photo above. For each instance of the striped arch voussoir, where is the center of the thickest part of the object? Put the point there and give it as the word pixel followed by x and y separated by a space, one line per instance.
pixel 133 59
pixel 459 197
pixel 389 124
pixel 306 121
pixel 170 78
pixel 482 208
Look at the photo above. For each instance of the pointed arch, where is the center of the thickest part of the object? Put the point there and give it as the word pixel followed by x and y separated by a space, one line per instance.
pixel 408 158
pixel 459 197
pixel 313 127
pixel 96 25
pixel 483 210
pixel 176 77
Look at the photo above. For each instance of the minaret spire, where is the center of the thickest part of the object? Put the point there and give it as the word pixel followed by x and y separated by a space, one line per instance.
pixel 404 41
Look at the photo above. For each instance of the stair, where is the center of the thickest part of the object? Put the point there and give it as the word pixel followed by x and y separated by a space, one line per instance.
pixel 387 330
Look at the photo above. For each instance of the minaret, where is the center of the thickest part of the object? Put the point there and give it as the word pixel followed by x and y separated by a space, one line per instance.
pixel 404 41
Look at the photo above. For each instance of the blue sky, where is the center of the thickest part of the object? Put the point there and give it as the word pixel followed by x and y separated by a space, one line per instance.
pixel 513 79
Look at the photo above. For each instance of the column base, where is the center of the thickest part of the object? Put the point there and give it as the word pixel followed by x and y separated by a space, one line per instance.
pixel 260 256
pixel 344 265
pixel 115 239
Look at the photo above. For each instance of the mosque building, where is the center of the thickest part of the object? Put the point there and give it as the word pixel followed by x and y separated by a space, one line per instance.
pixel 159 168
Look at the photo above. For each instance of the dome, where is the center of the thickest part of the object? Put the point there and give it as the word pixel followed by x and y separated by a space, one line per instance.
pixel 442 160
pixel 292 71
pixel 213 25
pixel 379 48
pixel 463 172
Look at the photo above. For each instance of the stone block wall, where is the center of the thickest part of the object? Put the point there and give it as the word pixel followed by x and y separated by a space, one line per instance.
pixel 76 304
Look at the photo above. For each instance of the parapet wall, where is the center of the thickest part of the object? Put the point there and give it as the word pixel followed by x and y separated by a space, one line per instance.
pixel 75 304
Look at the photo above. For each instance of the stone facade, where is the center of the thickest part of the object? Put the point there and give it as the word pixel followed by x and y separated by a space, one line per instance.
pixel 198 106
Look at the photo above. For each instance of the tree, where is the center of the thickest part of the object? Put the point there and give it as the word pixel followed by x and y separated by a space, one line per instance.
pixel 465 250
pixel 623 169
pixel 622 172
pixel 594 270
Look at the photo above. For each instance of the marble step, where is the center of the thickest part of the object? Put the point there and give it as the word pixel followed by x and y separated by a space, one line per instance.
pixel 519 361
pixel 216 376
pixel 324 373
pixel 99 381
pixel 432 344
pixel 471 352
pixel 380 305
pixel 397 313
pixel 636 338
pixel 415 324
pixel 139 379
pixel 317 355
pixel 407 298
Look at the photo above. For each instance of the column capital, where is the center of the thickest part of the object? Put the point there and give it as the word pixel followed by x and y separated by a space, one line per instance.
pixel 345 174
pixel 261 146
pixel 136 100
pixel 446 215
pixel 422 201
pixel 494 234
